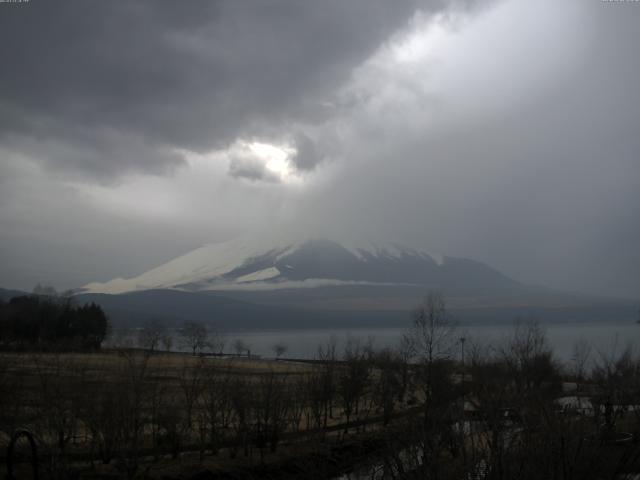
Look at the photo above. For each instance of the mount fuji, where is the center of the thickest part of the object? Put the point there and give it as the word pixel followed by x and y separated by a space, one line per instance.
pixel 245 266
pixel 254 283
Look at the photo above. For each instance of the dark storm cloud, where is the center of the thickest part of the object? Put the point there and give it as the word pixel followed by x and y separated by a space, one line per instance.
pixel 93 153
pixel 106 87
pixel 509 136
pixel 307 156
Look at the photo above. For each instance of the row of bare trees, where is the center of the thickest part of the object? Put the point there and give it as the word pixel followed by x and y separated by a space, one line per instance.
pixel 120 408
pixel 195 337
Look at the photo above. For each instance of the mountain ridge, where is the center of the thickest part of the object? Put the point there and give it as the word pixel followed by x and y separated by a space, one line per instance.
pixel 315 262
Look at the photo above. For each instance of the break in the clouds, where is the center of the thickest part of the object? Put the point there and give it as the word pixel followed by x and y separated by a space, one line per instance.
pixel 105 88
pixel 506 131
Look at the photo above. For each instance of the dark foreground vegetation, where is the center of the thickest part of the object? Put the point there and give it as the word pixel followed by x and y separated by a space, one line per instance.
pixel 436 407
pixel 50 322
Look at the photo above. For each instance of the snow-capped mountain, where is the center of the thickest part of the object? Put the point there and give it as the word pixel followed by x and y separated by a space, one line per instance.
pixel 255 283
pixel 249 265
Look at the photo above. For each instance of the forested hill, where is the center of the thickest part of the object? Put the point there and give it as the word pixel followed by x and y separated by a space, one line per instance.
pixel 47 322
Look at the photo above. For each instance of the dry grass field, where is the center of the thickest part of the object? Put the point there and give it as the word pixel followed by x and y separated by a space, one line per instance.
pixel 127 411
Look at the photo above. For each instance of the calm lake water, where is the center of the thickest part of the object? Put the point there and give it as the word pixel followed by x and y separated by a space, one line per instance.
pixel 603 339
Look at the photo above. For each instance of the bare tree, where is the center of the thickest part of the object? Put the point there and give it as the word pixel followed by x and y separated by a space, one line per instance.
pixel 432 339
pixel 216 341
pixel 103 410
pixel 387 383
pixel 194 336
pixel 134 376
pixel 217 406
pixel 279 349
pixel 12 394
pixel 240 398
pixel 353 378
pixel 151 335
pixel 580 359
pixel 270 406
pixel 191 379
pixel 167 341
pixel 405 351
pixel 316 397
pixel 327 382
pixel 240 346
pixel 57 376
pixel 432 330
pixel 491 394
pixel 617 373
pixel 299 401
pixel 529 358
pixel 160 398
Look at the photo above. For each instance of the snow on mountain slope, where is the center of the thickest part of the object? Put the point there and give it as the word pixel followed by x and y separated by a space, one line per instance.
pixel 265 274
pixel 389 250
pixel 208 261
pixel 255 263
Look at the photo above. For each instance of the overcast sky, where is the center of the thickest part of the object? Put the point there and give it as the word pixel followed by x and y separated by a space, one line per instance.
pixel 504 131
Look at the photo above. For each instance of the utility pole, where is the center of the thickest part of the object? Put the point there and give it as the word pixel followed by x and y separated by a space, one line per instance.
pixel 462 340
pixel 462 386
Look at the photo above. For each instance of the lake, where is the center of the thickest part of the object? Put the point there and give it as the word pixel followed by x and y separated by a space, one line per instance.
pixel 303 343
pixel 603 338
